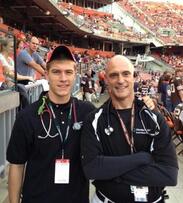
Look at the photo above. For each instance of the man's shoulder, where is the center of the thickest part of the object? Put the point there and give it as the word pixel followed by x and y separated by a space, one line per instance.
pixel 85 106
pixel 23 54
pixel 36 55
pixel 100 111
pixel 29 111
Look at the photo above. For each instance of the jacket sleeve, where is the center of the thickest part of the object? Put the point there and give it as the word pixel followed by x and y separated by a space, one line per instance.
pixel 101 167
pixel 164 170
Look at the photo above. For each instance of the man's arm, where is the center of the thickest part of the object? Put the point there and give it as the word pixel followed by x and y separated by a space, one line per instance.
pixel 15 180
pixel 98 166
pixel 164 170
pixel 108 167
pixel 43 65
pixel 148 102
pixel 36 67
pixel 152 175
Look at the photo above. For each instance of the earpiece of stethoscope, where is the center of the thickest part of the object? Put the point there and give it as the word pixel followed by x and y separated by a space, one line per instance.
pixel 76 126
pixel 108 130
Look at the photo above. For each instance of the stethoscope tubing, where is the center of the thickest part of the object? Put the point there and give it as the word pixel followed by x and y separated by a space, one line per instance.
pixel 109 129
pixel 76 125
pixel 47 110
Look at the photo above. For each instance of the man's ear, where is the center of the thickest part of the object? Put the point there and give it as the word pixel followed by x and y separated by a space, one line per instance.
pixel 46 75
pixel 105 77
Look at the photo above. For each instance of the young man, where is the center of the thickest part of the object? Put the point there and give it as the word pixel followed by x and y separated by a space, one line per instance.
pixel 125 147
pixel 45 141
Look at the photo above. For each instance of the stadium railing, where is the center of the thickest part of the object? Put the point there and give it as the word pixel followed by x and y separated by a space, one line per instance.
pixel 9 101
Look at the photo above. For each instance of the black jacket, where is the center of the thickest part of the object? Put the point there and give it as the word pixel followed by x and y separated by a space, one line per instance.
pixel 108 160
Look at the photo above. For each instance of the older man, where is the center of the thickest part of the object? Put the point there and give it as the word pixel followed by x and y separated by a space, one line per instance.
pixel 127 148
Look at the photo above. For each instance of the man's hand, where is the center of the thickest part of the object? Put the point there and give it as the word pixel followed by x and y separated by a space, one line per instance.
pixel 148 102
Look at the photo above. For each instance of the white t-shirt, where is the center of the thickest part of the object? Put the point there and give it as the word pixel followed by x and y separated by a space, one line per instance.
pixel 8 63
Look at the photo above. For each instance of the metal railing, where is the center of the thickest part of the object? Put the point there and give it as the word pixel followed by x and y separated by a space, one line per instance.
pixel 8 104
pixel 6 122
pixel 34 91
pixel 77 86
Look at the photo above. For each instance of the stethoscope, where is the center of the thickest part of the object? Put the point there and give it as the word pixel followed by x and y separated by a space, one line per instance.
pixel 45 108
pixel 109 129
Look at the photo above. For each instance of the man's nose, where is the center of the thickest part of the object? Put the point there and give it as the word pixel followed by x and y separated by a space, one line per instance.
pixel 120 78
pixel 63 76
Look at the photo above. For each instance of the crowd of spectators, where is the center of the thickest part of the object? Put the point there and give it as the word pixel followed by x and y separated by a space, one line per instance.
pixel 101 23
pixel 164 19
pixel 95 59
pixel 175 61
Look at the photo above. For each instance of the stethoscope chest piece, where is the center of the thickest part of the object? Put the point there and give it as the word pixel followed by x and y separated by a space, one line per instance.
pixel 76 126
pixel 108 130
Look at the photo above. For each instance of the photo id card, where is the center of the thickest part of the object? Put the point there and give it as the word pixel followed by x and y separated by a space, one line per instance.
pixel 62 167
pixel 140 193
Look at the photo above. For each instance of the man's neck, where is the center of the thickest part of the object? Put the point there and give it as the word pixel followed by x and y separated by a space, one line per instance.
pixel 30 51
pixel 57 99
pixel 123 104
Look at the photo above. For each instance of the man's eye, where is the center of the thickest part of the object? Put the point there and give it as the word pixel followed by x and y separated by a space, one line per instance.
pixel 69 72
pixel 55 71
pixel 113 75
pixel 126 73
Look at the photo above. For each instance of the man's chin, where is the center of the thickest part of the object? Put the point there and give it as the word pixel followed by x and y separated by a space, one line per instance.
pixel 121 96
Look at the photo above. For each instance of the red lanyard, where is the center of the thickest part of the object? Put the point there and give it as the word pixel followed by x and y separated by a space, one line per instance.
pixel 129 139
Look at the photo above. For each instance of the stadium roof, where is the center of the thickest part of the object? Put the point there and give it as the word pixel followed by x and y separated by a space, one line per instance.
pixel 44 19
pixel 39 16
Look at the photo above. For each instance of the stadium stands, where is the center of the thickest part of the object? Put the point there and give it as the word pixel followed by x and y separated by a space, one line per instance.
pixel 101 23
pixel 164 19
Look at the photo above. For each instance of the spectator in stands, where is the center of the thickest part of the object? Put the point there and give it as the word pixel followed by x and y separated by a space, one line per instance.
pixel 88 86
pixel 166 92
pixel 126 148
pixel 20 46
pixel 6 52
pixel 45 141
pixel 152 90
pixel 29 61
pixel 2 78
pixel 144 88
pixel 101 77
pixel 160 85
pixel 176 86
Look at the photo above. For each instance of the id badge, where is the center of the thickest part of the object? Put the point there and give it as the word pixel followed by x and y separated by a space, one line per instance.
pixel 140 193
pixel 62 171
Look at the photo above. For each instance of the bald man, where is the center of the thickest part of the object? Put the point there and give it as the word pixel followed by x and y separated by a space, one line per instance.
pixel 125 147
pixel 29 61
